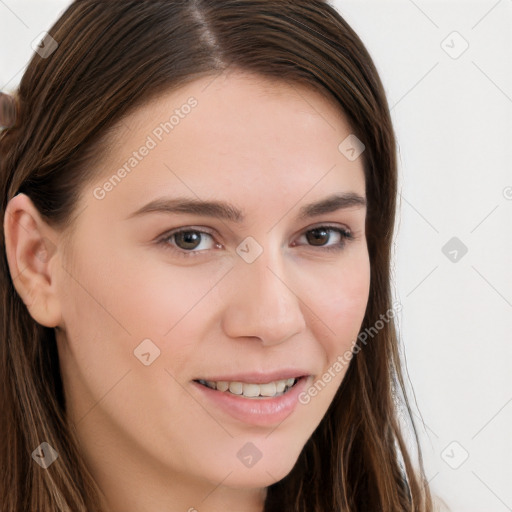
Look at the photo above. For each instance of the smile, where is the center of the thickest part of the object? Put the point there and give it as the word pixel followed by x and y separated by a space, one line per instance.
pixel 251 390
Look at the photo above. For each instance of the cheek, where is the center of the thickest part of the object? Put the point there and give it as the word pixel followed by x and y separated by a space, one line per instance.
pixel 160 300
pixel 340 303
pixel 134 297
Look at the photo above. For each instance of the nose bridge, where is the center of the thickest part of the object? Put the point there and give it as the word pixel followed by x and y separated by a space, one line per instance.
pixel 264 304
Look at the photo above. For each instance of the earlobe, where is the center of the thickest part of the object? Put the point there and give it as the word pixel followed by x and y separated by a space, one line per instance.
pixel 32 258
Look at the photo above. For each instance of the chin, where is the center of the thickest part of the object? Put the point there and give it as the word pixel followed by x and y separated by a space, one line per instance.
pixel 267 471
pixel 256 479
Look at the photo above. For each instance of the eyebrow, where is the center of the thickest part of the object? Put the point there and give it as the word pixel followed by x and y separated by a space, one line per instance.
pixel 227 211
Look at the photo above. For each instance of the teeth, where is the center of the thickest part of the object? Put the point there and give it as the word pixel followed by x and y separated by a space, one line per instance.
pixel 280 385
pixel 236 388
pixel 269 389
pixel 250 390
pixel 221 385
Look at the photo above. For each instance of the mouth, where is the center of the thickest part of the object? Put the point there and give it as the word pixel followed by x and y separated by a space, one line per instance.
pixel 260 402
pixel 255 391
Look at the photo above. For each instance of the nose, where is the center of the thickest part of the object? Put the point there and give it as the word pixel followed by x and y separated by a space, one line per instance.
pixel 264 304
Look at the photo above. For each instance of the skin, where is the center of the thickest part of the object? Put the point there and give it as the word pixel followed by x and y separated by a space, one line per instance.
pixel 152 442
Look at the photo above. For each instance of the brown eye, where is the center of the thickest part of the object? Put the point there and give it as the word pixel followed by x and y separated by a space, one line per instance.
pixel 187 239
pixel 185 242
pixel 318 236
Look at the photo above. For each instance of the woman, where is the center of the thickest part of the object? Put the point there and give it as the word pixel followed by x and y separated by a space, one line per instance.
pixel 144 370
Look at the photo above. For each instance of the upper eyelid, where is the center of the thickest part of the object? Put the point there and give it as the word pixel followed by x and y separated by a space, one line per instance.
pixel 213 232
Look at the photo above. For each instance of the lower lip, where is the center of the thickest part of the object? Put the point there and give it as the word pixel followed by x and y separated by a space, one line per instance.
pixel 263 411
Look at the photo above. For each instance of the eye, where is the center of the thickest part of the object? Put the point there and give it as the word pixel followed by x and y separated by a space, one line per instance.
pixel 316 235
pixel 186 241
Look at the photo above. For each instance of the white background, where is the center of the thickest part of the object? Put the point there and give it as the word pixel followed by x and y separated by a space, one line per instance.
pixel 453 122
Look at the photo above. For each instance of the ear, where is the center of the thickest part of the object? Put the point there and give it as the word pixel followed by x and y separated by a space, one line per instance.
pixel 32 259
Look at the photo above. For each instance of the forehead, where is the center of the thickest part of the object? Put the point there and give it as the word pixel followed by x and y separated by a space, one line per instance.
pixel 232 135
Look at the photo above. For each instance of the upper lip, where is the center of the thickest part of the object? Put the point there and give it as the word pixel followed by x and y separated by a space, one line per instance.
pixel 259 377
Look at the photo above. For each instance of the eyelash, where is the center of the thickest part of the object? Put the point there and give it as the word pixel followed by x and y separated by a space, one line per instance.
pixel 345 234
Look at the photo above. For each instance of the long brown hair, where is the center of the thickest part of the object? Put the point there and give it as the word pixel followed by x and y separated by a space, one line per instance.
pixel 112 57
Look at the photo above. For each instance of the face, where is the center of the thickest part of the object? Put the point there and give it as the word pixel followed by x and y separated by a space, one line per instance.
pixel 155 298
